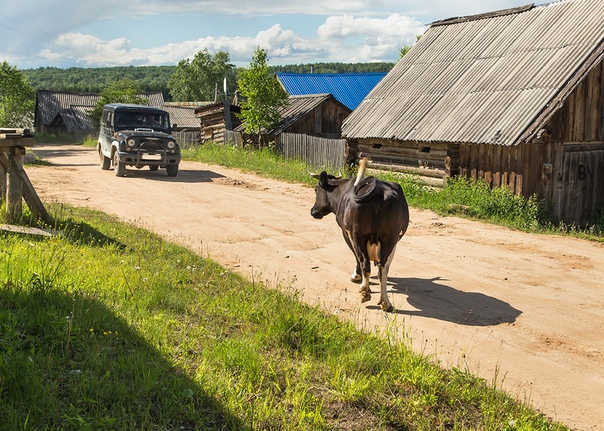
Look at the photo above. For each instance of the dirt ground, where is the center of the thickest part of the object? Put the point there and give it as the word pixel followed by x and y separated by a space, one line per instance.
pixel 524 311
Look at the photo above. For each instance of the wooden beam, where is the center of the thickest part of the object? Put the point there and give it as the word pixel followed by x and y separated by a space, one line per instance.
pixel 27 189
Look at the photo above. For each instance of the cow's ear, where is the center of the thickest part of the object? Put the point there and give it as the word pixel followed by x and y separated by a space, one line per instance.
pixel 323 179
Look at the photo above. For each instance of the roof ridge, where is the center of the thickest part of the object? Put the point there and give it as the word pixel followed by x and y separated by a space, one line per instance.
pixel 502 12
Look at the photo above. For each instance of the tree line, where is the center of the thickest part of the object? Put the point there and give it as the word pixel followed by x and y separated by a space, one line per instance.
pixel 201 78
pixel 156 78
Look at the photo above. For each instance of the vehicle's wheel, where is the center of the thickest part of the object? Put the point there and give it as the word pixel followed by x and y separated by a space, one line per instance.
pixel 105 161
pixel 118 167
pixel 153 167
pixel 172 170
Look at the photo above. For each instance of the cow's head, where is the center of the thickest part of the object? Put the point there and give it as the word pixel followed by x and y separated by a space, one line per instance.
pixel 324 190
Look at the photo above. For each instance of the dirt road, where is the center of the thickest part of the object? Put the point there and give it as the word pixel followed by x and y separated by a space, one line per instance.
pixel 525 311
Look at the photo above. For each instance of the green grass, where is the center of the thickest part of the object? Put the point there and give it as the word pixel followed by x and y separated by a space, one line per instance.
pixel 108 327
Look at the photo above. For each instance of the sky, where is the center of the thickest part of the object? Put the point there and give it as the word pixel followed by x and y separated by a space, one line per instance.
pixel 92 33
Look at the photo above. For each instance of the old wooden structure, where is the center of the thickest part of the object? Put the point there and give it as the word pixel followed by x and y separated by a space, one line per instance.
pixel 514 97
pixel 215 118
pixel 14 183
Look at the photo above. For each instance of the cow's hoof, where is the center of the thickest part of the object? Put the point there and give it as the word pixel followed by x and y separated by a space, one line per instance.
pixel 387 307
pixel 356 278
pixel 365 296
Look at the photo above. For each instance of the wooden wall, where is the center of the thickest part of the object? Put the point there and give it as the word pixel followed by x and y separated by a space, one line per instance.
pixel 324 121
pixel 563 165
pixel 433 162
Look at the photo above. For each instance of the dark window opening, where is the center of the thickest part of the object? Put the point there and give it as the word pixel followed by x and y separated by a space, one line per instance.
pixel 425 149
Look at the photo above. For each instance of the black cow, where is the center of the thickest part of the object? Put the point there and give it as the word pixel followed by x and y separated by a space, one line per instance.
pixel 373 215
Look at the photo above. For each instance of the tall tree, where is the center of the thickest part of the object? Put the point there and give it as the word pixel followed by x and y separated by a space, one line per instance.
pixel 17 98
pixel 263 97
pixel 122 91
pixel 197 80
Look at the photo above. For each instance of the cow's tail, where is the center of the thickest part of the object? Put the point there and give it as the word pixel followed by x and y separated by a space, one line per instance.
pixel 361 172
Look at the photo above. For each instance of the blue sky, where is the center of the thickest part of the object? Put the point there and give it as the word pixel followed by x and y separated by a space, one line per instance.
pixel 91 33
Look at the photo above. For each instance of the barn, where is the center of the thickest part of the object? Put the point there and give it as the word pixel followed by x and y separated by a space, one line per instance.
pixel 513 97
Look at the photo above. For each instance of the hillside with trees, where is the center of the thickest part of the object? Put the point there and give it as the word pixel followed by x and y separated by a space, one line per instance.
pixel 156 78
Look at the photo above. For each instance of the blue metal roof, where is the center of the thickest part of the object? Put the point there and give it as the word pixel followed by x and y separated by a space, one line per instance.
pixel 348 88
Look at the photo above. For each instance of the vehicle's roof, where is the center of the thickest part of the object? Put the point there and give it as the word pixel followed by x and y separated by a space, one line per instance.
pixel 132 107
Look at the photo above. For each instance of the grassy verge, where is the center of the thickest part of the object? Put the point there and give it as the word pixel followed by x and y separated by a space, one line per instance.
pixel 461 197
pixel 108 327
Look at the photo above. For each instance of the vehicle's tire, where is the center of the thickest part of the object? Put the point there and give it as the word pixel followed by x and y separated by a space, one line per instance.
pixel 105 161
pixel 172 170
pixel 153 167
pixel 118 167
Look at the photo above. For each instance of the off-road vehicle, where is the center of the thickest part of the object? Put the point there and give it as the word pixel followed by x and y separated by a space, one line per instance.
pixel 137 135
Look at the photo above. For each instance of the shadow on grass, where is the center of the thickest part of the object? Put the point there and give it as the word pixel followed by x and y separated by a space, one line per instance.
pixel 439 301
pixel 68 362
pixel 79 232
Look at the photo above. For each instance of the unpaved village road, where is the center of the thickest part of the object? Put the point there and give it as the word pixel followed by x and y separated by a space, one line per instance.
pixel 524 310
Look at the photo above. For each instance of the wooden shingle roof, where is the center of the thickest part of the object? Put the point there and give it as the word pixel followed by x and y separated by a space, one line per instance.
pixel 492 78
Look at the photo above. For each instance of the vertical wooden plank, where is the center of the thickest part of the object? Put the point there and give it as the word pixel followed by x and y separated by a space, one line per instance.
pixel 497 160
pixel 487 163
pixel 570 119
pixel 559 187
pixel 3 173
pixel 594 111
pixel 579 120
pixel 505 165
pixel 518 169
pixel 14 187
pixel 473 165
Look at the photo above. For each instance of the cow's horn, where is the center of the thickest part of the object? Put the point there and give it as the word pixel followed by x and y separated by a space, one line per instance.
pixel 315 176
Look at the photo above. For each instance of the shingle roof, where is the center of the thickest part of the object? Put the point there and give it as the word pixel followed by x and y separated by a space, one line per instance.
pixel 183 116
pixel 490 78
pixel 347 88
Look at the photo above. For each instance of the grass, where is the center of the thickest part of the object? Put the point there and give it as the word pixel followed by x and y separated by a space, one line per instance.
pixel 108 327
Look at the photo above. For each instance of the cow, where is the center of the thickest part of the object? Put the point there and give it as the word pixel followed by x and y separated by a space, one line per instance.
pixel 373 216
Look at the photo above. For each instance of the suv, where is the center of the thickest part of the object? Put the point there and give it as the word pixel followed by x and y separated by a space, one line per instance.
pixel 137 135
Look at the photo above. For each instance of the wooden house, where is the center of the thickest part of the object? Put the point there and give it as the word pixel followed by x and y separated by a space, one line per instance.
pixel 318 115
pixel 514 97
pixel 347 88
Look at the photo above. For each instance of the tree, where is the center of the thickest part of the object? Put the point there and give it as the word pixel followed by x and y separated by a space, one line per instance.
pixel 405 48
pixel 262 95
pixel 122 91
pixel 196 80
pixel 17 98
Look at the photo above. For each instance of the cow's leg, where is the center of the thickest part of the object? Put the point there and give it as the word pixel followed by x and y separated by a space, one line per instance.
pixel 383 277
pixel 365 291
pixel 356 274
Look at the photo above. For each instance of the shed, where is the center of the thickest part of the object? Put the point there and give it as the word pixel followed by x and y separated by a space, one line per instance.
pixel 514 97
pixel 213 121
pixel 67 112
pixel 347 88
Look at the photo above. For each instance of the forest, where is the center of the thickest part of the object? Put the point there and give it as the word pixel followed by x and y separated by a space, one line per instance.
pixel 155 78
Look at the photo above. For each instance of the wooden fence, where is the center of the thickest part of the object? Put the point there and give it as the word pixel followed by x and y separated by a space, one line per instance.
pixel 314 151
pixel 187 138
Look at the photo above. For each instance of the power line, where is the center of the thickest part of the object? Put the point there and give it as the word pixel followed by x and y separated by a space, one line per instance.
pixel 40 39
pixel 37 56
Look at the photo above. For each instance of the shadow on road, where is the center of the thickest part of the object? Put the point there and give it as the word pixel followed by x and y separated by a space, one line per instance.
pixel 439 301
